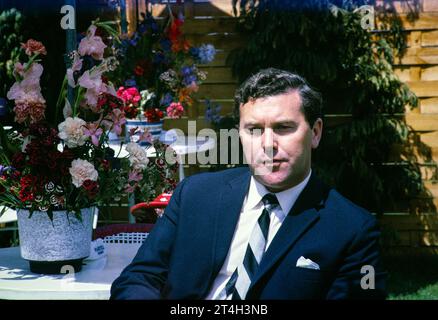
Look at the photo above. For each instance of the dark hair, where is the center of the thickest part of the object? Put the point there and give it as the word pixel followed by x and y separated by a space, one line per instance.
pixel 271 82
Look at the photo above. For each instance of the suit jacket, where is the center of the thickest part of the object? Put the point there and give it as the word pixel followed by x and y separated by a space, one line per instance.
pixel 188 245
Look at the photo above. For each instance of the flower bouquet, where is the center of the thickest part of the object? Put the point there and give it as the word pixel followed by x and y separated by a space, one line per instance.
pixel 54 174
pixel 161 68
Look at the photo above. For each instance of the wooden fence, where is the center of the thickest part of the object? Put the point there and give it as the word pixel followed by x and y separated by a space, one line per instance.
pixel 213 22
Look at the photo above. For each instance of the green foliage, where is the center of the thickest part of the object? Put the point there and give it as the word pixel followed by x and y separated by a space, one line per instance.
pixel 352 67
pixel 11 22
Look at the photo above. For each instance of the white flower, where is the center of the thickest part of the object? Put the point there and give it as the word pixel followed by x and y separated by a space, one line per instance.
pixel 72 132
pixel 137 156
pixel 82 170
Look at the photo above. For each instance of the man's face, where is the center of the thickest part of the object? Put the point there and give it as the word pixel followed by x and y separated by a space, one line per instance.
pixel 277 140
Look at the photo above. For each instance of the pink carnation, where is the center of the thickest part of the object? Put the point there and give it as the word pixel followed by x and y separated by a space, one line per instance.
pixel 175 110
pixel 32 46
pixel 129 95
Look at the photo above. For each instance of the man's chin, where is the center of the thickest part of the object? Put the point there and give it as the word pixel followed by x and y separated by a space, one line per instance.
pixel 270 179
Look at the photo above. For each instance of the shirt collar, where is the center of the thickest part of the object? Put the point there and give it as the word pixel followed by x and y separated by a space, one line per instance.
pixel 286 198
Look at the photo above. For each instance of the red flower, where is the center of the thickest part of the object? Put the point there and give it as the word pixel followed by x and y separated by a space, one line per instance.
pixel 91 187
pixel 174 31
pixel 28 185
pixel 32 46
pixel 18 160
pixel 25 195
pixel 105 164
pixel 139 71
pixel 154 115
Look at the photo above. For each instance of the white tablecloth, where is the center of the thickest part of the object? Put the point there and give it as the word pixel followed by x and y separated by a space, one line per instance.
pixel 92 282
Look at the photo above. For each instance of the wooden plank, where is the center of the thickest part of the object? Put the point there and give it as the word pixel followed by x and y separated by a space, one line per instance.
pixel 403 73
pixel 430 6
pixel 219 75
pixel 183 122
pixel 413 39
pixel 220 59
pixel 415 74
pixel 429 38
pixel 401 6
pixel 429 105
pixel 216 91
pixel 425 21
pixel 224 41
pixel 432 188
pixel 415 56
pixel 424 88
pixel 227 106
pixel 430 139
pixel 429 172
pixel 410 222
pixel 210 25
pixel 215 8
pixel 422 122
pixel 429 73
pixel 188 9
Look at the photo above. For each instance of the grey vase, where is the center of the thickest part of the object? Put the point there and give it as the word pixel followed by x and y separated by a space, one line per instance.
pixel 56 246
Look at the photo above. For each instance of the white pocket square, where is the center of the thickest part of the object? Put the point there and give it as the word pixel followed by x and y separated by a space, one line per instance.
pixel 307 263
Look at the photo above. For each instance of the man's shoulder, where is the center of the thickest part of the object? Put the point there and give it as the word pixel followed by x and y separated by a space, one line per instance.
pixel 222 176
pixel 343 209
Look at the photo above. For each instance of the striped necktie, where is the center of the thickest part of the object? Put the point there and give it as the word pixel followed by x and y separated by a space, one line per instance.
pixel 241 278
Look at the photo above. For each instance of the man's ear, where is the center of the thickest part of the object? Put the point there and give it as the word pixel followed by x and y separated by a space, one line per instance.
pixel 316 133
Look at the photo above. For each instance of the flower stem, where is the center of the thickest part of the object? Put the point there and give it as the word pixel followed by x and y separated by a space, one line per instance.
pixel 61 98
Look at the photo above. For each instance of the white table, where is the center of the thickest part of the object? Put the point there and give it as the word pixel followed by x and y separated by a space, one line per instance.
pixel 93 282
pixel 181 144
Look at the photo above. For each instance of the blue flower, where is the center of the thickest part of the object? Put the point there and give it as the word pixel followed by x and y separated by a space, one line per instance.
pixel 158 58
pixel 212 113
pixel 166 100
pixel 194 51
pixel 134 40
pixel 189 79
pixel 166 45
pixel 130 83
pixel 3 169
pixel 142 28
pixel 206 53
pixel 186 71
pixel 154 26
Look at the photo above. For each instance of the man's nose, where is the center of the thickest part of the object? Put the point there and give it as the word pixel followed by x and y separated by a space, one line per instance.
pixel 269 142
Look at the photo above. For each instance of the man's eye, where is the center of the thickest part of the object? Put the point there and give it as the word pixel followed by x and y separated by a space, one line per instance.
pixel 254 131
pixel 284 129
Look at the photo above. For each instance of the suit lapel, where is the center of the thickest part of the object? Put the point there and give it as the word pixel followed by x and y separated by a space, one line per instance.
pixel 302 216
pixel 232 197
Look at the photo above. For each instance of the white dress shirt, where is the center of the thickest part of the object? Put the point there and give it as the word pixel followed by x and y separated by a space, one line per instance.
pixel 251 210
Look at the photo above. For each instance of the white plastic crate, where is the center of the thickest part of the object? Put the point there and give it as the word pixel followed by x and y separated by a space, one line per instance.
pixel 123 237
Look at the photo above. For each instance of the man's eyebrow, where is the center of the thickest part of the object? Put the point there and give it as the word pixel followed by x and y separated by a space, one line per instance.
pixel 252 124
pixel 276 123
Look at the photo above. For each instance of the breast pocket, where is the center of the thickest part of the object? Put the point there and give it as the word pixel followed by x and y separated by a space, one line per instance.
pixel 304 283
pixel 305 274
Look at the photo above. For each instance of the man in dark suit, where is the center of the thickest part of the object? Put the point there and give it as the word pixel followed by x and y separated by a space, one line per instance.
pixel 270 231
